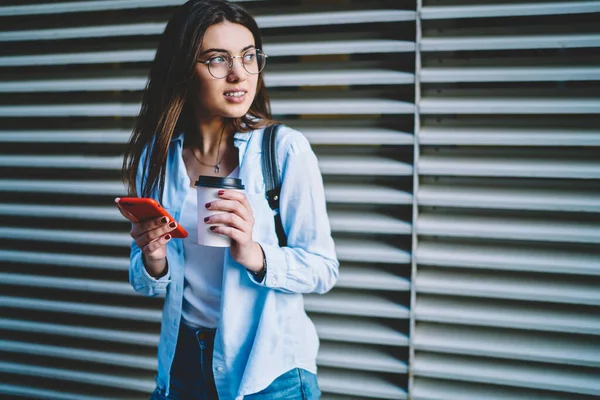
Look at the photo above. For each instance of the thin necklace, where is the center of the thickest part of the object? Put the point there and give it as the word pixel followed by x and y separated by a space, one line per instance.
pixel 217 165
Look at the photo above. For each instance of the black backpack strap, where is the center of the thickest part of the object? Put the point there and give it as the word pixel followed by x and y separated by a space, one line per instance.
pixel 272 179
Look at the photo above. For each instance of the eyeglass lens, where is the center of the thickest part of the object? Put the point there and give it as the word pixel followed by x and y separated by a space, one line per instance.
pixel 252 60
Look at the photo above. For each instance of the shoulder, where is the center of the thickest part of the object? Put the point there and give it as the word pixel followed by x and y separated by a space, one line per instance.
pixel 291 141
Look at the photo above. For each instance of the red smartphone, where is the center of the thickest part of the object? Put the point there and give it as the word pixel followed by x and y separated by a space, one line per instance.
pixel 142 208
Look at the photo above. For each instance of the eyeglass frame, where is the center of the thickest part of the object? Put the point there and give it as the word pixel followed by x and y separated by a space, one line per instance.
pixel 207 62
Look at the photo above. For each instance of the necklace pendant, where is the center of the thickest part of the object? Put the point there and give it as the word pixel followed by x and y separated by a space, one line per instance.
pixel 217 168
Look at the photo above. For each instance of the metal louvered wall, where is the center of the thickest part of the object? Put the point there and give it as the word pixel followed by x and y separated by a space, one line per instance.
pixel 508 263
pixel 71 79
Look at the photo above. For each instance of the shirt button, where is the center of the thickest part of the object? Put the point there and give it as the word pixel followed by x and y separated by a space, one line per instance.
pixel 220 369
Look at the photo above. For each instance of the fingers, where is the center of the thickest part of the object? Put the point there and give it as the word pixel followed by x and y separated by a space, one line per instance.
pixel 233 206
pixel 235 195
pixel 235 234
pixel 229 219
pixel 149 232
pixel 156 245
pixel 140 228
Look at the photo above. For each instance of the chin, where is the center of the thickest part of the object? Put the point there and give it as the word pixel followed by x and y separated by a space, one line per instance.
pixel 235 111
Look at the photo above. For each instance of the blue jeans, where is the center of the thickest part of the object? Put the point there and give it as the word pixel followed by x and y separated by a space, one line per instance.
pixel 192 377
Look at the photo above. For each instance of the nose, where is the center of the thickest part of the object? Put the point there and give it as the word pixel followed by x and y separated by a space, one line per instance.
pixel 237 73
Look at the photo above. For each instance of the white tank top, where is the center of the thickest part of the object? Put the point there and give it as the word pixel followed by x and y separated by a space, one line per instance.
pixel 203 270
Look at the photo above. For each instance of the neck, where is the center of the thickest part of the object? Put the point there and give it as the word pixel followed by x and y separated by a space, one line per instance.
pixel 210 133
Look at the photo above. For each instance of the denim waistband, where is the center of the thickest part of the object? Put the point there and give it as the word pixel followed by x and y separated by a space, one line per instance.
pixel 200 333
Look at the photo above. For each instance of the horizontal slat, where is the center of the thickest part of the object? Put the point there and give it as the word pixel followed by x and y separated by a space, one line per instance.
pixel 547 260
pixel 515 42
pixel 358 330
pixel 509 167
pixel 157 28
pixel 508 228
pixel 351 194
pixel 370 251
pixel 359 304
pixel 272 79
pixel 111 335
pixel 357 136
pixel 141 383
pixel 340 165
pixel 273 50
pixel 483 136
pixel 365 106
pixel 44 394
pixel 101 357
pixel 509 74
pixel 78 162
pixel 95 310
pixel 364 194
pixel 361 165
pixel 433 389
pixel 291 107
pixel 55 136
pixel 66 260
pixel 64 212
pixel 86 6
pixel 365 222
pixel 83 285
pixel 103 188
pixel 359 384
pixel 323 136
pixel 518 345
pixel 66 236
pixel 507 315
pixel 361 358
pixel 347 250
pixel 508 198
pixel 507 373
pixel 456 105
pixel 509 10
pixel 371 278
pixel 515 287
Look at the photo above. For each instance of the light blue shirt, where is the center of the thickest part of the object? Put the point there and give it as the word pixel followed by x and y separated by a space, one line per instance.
pixel 263 331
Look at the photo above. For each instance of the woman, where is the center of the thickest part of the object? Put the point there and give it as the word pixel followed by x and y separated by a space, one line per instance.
pixel 233 322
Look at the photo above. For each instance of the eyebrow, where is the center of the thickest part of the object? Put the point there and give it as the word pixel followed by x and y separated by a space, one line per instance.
pixel 225 51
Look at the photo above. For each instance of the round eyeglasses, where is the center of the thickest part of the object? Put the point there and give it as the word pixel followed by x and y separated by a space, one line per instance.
pixel 219 66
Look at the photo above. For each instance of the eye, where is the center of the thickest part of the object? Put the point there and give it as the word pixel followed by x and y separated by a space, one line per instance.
pixel 249 57
pixel 218 60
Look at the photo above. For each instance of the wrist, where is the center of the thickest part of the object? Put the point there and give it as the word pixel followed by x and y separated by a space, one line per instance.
pixel 155 268
pixel 255 258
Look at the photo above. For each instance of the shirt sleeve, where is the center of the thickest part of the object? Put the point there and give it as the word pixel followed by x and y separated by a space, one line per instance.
pixel 141 281
pixel 308 264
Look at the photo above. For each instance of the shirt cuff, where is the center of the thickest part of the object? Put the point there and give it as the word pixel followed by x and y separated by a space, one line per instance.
pixel 276 275
pixel 160 283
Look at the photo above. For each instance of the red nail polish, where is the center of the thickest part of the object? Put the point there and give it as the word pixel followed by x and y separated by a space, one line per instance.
pixel 212 228
pixel 206 219
pixel 167 237
pixel 221 192
pixel 173 225
pixel 164 220
pixel 207 205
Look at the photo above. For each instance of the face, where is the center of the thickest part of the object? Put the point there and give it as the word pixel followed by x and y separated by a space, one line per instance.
pixel 231 96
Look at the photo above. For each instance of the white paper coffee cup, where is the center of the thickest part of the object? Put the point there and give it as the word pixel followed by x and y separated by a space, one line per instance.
pixel 207 190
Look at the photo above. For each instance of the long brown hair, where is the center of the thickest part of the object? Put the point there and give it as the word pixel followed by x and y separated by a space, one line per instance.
pixel 165 107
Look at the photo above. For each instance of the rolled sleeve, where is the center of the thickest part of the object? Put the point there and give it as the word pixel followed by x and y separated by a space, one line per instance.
pixel 308 264
pixel 141 281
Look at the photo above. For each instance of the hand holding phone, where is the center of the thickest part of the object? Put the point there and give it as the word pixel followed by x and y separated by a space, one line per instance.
pixel 141 209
